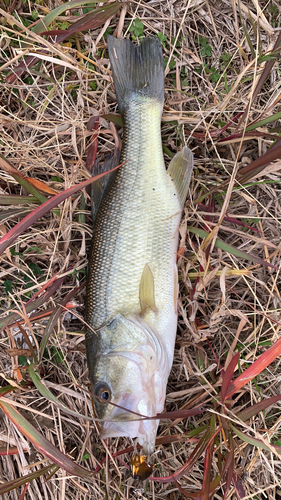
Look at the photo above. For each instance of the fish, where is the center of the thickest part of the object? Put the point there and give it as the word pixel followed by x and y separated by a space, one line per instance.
pixel 132 282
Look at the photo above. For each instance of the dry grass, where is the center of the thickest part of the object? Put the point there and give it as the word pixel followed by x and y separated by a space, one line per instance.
pixel 43 134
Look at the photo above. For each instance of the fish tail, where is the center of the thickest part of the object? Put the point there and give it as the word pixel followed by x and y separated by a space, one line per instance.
pixel 137 71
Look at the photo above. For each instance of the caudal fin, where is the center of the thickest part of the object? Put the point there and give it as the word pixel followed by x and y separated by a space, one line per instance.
pixel 136 70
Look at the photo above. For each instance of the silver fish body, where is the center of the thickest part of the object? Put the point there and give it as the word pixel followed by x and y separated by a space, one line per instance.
pixel 132 286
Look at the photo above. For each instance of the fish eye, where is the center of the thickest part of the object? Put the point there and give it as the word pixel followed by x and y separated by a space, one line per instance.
pixel 102 390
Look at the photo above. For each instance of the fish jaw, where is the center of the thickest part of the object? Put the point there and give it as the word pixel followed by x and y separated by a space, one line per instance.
pixel 144 432
pixel 128 424
pixel 145 400
pixel 132 361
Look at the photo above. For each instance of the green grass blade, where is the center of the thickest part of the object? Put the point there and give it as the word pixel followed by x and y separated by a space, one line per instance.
pixel 16 483
pixel 49 18
pixel 13 199
pixel 53 320
pixel 167 151
pixel 7 389
pixel 110 117
pixel 253 441
pixel 230 249
pixel 32 304
pixel 29 188
pixel 265 121
pixel 23 181
pixel 94 19
pixel 253 52
pixel 46 393
pixel 256 408
pixel 39 212
pixel 89 21
pixel 41 443
pixel 114 119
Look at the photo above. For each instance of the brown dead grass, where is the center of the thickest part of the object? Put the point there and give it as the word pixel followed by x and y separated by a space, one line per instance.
pixel 44 135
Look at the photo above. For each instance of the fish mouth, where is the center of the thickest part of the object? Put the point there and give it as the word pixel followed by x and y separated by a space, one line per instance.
pixel 119 429
pixel 143 430
pixel 133 425
pixel 122 422
pixel 129 411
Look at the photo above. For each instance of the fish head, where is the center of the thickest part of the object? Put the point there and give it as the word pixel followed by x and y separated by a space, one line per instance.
pixel 129 372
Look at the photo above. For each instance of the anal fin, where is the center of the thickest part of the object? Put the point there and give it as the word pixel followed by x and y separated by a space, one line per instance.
pixel 180 170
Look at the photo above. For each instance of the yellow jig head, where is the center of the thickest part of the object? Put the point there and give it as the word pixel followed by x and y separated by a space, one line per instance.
pixel 140 468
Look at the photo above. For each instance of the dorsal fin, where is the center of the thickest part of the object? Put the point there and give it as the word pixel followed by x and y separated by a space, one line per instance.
pixel 146 291
pixel 98 187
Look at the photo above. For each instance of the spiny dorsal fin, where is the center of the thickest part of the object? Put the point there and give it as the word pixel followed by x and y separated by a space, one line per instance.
pixel 146 291
pixel 180 170
pixel 98 188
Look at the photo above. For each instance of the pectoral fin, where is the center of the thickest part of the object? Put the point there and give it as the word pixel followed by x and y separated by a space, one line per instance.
pixel 146 291
pixel 180 170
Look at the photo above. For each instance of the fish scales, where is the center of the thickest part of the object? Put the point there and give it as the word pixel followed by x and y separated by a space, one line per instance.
pixel 131 299
pixel 136 225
